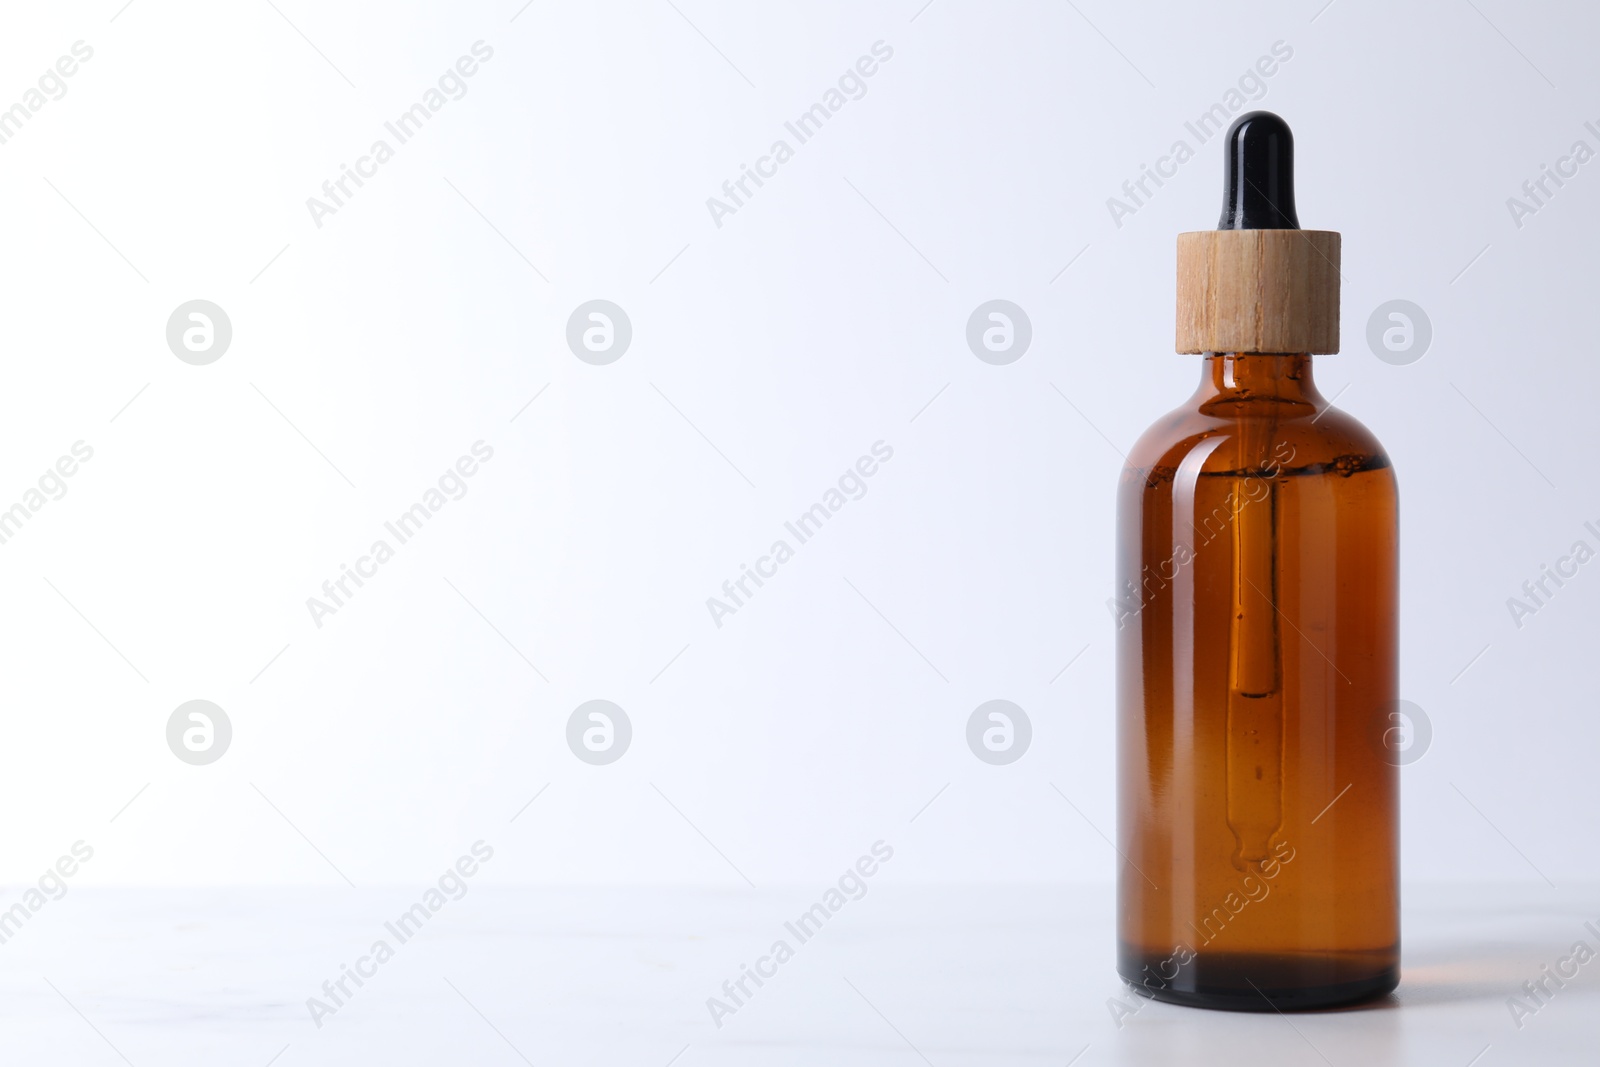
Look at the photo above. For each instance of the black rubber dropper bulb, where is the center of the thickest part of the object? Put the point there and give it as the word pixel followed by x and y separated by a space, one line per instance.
pixel 1258 191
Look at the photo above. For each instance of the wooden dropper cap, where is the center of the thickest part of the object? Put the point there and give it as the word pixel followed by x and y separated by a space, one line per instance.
pixel 1258 283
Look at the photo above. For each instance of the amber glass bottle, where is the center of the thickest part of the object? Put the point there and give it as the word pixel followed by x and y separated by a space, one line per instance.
pixel 1257 643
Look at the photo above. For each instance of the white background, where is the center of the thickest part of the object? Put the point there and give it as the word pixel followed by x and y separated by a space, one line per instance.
pixel 768 354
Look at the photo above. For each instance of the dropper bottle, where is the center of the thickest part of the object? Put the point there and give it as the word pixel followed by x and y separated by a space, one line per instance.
pixel 1256 630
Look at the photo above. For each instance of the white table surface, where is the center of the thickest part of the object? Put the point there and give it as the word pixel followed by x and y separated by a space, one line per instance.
pixel 941 976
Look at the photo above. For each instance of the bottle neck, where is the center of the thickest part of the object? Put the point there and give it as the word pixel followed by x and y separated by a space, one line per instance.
pixel 1280 382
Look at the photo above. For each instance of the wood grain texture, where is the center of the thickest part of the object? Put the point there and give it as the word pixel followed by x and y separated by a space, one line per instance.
pixel 1258 291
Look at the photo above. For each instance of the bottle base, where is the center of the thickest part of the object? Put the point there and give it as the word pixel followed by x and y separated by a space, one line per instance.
pixel 1263 982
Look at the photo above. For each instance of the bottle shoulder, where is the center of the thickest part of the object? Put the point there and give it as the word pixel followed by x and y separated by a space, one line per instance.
pixel 1294 438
